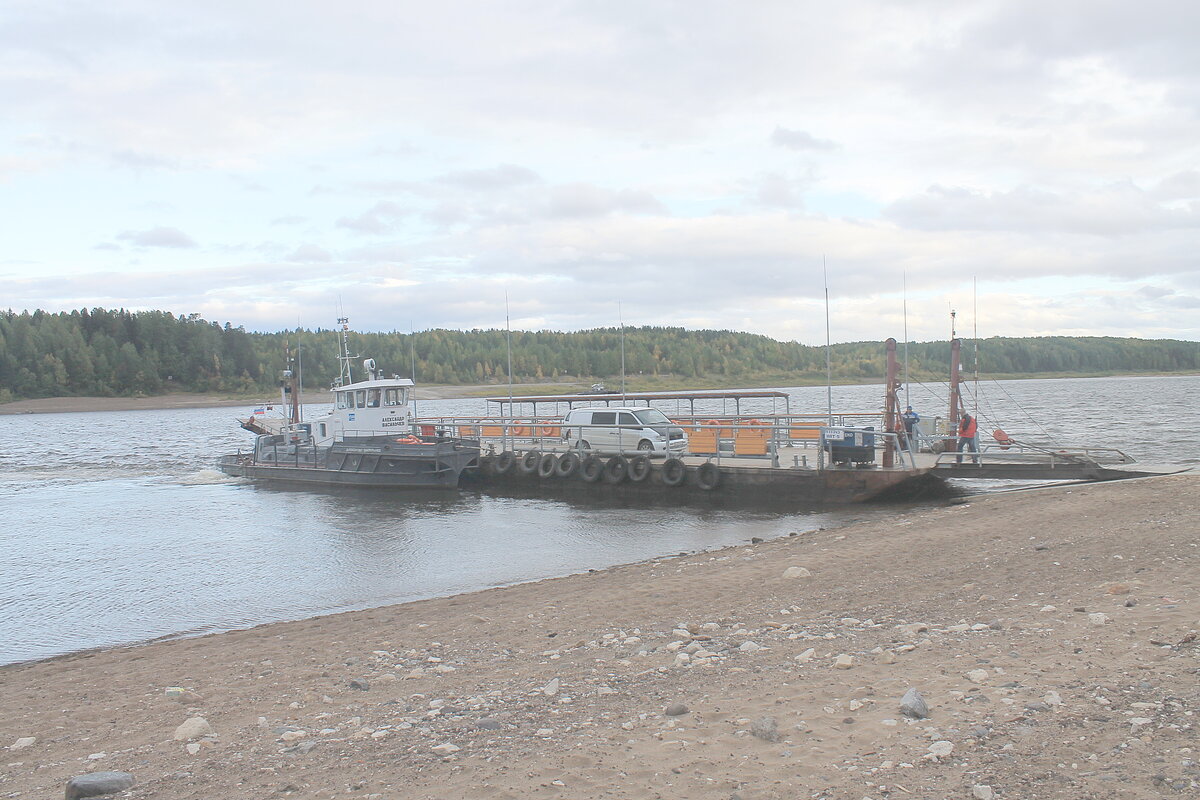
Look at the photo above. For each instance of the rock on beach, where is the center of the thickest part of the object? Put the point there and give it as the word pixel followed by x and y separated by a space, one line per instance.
pixel 98 784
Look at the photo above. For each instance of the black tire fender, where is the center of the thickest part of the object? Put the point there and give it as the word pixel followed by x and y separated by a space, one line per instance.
pixel 568 465
pixel 591 469
pixel 616 470
pixel 673 472
pixel 639 468
pixel 505 462
pixel 529 462
pixel 546 465
pixel 708 476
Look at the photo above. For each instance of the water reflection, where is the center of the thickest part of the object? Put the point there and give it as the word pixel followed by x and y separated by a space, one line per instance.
pixel 127 533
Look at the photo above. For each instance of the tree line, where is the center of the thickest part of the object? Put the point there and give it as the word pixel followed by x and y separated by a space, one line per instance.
pixel 102 352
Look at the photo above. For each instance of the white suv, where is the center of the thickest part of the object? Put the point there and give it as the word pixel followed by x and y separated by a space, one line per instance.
pixel 623 430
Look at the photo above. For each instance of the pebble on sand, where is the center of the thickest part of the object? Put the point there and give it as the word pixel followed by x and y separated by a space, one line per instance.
pixel 941 748
pixel 97 784
pixel 676 710
pixel 24 741
pixel 193 728
pixel 796 572
pixel 765 728
pixel 913 705
pixel 843 661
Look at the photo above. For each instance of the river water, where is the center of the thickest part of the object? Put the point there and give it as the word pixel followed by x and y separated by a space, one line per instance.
pixel 118 530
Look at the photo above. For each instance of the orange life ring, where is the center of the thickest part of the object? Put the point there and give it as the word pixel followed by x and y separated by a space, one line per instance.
pixel 1003 438
pixel 410 439
pixel 548 430
pixel 520 430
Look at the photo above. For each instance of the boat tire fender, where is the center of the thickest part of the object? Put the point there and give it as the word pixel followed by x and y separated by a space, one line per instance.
pixel 529 462
pixel 568 465
pixel 616 470
pixel 591 469
pixel 673 472
pixel 547 465
pixel 504 462
pixel 639 468
pixel 708 476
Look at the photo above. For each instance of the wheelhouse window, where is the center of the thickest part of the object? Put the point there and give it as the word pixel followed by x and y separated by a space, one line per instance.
pixel 345 400
pixel 360 398
pixel 372 398
pixel 395 397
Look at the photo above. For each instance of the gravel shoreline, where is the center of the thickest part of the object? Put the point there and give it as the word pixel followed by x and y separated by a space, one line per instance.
pixel 1052 634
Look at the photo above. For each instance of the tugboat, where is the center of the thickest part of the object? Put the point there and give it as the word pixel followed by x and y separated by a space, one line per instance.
pixel 368 438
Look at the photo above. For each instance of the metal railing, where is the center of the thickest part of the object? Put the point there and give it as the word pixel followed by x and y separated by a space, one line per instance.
pixel 769 438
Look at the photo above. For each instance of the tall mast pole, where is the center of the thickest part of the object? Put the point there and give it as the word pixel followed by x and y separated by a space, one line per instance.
pixel 975 336
pixel 508 330
pixel 904 284
pixel 828 357
pixel 412 349
pixel 621 320
pixel 345 378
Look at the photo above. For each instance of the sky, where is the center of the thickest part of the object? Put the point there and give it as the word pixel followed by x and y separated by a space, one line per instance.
pixel 1033 166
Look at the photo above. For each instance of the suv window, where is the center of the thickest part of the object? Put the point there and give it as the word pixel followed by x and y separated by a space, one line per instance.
pixel 627 418
pixel 604 418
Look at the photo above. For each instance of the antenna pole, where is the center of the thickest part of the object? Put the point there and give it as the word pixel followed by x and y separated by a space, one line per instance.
pixel 621 319
pixel 828 357
pixel 412 349
pixel 346 377
pixel 508 330
pixel 975 335
pixel 904 284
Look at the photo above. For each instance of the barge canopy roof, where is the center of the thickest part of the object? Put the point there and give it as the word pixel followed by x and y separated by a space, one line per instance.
pixel 638 398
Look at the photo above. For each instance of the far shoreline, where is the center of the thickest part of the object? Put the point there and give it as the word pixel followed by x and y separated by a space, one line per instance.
pixel 191 400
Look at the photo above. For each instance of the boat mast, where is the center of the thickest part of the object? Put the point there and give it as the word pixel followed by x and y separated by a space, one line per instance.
pixel 975 337
pixel 955 359
pixel 621 320
pixel 904 287
pixel 891 413
pixel 289 388
pixel 828 358
pixel 412 348
pixel 345 378
pixel 508 336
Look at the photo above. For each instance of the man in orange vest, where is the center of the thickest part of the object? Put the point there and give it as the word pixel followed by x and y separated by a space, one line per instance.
pixel 967 428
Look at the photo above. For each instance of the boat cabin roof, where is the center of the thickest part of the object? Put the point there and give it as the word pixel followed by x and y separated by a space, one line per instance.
pixel 643 398
pixel 378 383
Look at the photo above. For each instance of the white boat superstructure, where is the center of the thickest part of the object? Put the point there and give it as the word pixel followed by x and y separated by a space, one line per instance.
pixel 377 406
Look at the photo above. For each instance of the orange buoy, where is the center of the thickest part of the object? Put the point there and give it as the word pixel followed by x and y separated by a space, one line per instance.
pixel 1003 438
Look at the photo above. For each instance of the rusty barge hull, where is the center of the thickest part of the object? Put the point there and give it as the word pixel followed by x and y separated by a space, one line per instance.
pixel 800 486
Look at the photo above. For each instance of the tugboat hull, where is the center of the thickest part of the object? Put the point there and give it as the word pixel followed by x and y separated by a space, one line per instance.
pixel 384 464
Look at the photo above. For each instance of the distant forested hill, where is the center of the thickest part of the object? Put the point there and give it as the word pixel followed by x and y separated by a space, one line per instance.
pixel 120 353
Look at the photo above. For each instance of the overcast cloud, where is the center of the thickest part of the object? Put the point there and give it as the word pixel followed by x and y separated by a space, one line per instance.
pixel 697 163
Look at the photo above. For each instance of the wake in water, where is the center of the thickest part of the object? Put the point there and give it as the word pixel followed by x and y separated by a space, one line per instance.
pixel 206 477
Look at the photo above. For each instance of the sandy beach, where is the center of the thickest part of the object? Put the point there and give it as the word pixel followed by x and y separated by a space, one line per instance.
pixel 1052 635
